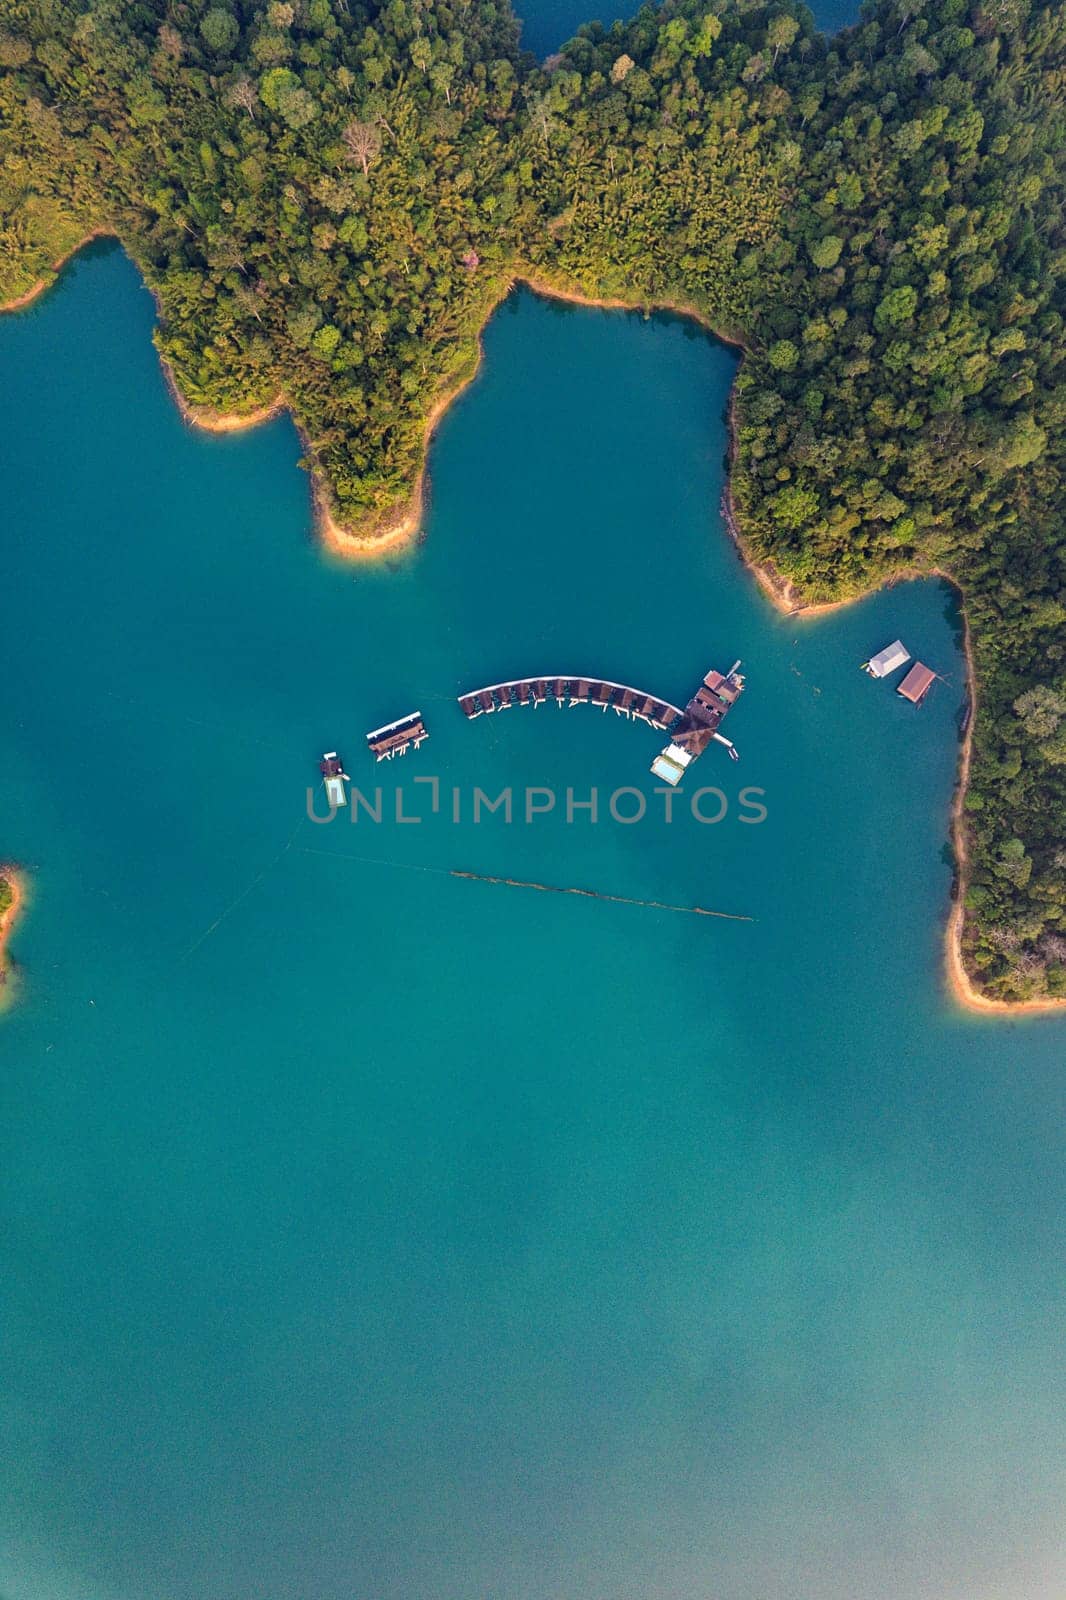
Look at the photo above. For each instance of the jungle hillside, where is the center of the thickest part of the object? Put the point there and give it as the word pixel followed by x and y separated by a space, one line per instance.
pixel 328 198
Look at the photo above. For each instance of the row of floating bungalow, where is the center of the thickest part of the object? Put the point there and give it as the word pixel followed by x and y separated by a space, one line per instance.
pixel 601 692
pixel 915 684
pixel 691 730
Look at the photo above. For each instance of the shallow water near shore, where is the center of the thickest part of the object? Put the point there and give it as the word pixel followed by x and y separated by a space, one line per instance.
pixel 366 1231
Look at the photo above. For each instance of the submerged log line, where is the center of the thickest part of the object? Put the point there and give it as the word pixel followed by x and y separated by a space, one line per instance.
pixel 522 883
pixel 597 894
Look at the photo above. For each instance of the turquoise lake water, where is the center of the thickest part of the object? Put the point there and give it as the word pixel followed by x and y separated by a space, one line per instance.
pixel 371 1234
pixel 547 24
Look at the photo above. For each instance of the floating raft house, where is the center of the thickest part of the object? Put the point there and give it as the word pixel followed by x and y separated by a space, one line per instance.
pixel 699 724
pixel 888 660
pixel 396 738
pixel 916 684
pixel 333 776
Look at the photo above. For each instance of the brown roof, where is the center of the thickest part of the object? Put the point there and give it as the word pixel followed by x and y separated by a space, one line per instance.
pixel 695 740
pixel 714 702
pixel 916 684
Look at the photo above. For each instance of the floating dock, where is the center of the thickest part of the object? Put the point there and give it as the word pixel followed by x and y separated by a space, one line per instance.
pixel 396 738
pixel 334 778
pixel 699 723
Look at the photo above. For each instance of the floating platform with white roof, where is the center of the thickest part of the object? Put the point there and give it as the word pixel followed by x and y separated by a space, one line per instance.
pixel 334 777
pixel 890 659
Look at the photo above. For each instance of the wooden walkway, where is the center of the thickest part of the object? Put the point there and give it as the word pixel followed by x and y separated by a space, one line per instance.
pixel 620 697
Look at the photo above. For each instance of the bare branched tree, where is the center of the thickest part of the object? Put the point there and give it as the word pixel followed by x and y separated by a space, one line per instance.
pixel 170 41
pixel 243 94
pixel 363 143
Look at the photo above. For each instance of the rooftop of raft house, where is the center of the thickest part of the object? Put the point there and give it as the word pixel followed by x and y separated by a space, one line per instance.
pixel 887 660
pixel 915 685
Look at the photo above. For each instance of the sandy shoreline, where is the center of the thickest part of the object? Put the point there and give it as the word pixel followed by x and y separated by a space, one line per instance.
pixel 213 421
pixel 28 296
pixel 402 525
pixel 959 981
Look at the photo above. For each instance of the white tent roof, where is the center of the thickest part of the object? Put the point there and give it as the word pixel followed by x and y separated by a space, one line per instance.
pixel 887 660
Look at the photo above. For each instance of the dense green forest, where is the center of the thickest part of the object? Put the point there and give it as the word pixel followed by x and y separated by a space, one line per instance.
pixel 329 197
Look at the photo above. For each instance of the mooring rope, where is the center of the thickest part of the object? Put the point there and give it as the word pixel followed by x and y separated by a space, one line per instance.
pixel 245 892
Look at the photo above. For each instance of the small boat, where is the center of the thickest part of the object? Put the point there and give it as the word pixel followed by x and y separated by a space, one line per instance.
pixel 334 777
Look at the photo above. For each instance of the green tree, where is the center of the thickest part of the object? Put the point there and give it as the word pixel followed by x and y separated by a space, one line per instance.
pixel 219 30
pixel 897 308
pixel 825 253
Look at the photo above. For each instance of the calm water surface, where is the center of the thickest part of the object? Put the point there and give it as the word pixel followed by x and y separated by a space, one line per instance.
pixel 371 1233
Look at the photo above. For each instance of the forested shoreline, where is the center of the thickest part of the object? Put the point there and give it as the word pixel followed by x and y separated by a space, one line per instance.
pixel 11 897
pixel 329 198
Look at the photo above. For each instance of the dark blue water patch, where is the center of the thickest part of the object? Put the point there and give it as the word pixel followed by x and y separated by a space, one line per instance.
pixel 548 24
pixel 364 1230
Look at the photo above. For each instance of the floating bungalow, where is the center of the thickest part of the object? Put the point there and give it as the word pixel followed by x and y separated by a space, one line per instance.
pixel 890 659
pixel 334 778
pixel 626 701
pixel 917 683
pixel 396 738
